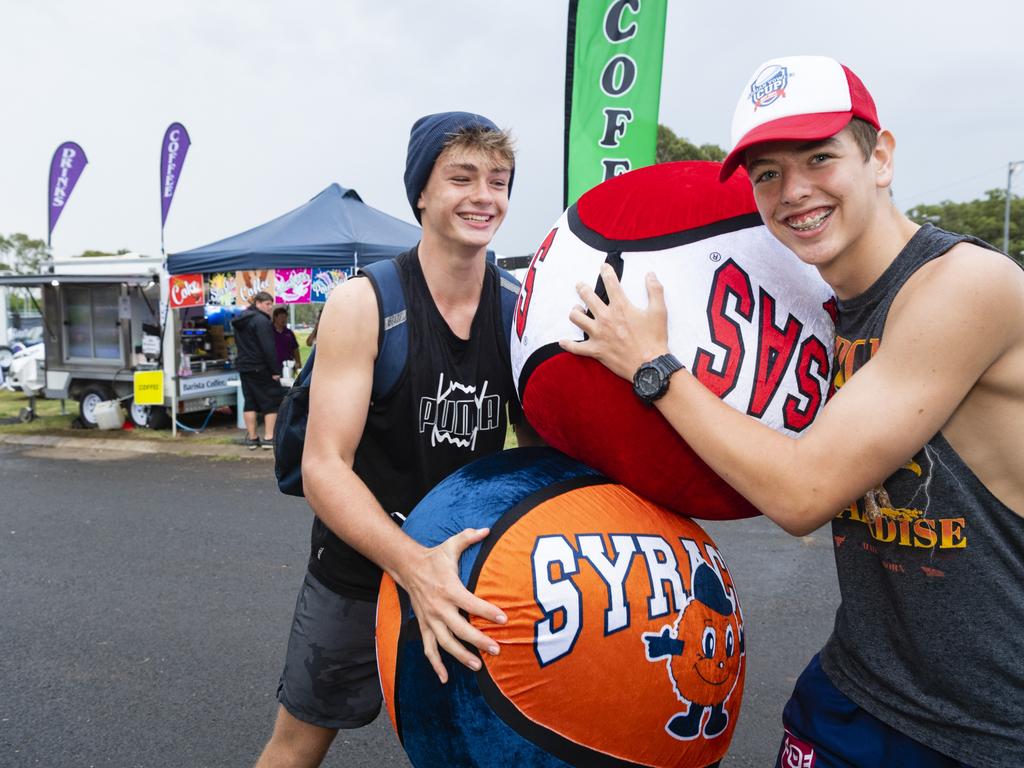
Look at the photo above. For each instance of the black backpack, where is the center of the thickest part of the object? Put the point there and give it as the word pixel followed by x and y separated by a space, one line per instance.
pixel 290 429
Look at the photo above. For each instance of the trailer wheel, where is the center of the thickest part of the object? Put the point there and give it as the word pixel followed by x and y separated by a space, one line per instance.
pixel 6 358
pixel 25 415
pixel 158 418
pixel 139 414
pixel 88 399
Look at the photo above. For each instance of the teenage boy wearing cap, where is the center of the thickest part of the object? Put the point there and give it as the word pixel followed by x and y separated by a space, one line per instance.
pixel 366 464
pixel 919 450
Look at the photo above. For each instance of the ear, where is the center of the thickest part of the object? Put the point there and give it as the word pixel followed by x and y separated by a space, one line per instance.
pixel 420 204
pixel 883 158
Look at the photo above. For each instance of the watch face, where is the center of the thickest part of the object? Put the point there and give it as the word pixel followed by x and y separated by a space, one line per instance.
pixel 648 381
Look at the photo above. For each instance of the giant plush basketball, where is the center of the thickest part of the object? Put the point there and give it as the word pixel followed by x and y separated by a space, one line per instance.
pixel 746 317
pixel 624 642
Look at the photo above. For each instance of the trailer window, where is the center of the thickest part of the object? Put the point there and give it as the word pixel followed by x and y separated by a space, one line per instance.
pixel 91 319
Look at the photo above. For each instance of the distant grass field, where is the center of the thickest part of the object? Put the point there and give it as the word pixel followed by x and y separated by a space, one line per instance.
pixel 303 349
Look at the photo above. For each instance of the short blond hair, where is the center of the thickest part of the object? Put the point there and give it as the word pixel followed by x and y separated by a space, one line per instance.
pixel 499 144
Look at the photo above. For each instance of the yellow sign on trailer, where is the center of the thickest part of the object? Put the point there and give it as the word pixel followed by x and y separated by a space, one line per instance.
pixel 149 387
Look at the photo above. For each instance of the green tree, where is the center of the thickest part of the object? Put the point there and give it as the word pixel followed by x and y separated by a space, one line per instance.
pixel 100 254
pixel 671 148
pixel 307 313
pixel 982 218
pixel 22 255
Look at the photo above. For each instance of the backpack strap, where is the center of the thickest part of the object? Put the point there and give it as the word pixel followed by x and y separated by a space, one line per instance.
pixel 393 331
pixel 509 297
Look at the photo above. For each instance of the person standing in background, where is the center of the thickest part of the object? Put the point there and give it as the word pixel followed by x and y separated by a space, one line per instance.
pixel 258 369
pixel 285 343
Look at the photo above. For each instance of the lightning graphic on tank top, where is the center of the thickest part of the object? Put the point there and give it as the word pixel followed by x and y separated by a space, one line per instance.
pixel 458 413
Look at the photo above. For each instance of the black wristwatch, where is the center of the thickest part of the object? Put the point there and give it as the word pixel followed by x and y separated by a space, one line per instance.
pixel 651 379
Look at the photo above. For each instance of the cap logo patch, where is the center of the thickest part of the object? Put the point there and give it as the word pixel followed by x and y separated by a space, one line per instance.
pixel 769 86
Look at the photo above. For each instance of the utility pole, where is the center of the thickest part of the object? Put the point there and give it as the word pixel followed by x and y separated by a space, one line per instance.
pixel 1010 168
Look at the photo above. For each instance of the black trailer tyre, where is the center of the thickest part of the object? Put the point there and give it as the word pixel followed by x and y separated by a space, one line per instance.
pixel 158 417
pixel 25 415
pixel 88 399
pixel 6 358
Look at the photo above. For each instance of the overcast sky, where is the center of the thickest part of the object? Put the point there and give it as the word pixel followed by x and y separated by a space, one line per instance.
pixel 281 99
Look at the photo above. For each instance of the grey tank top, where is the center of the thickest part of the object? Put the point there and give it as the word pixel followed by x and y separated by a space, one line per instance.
pixel 929 636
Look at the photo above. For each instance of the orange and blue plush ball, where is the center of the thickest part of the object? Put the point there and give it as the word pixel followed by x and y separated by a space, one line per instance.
pixel 624 642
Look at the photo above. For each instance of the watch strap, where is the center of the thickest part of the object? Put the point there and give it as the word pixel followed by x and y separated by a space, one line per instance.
pixel 665 365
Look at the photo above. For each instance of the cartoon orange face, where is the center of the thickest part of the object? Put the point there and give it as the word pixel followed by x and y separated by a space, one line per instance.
pixel 709 665
pixel 704 649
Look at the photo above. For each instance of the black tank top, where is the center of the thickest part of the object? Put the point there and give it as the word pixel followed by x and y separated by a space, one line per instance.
pixel 447 409
pixel 929 637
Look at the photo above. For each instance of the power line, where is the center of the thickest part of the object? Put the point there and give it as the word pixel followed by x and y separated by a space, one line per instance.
pixel 956 183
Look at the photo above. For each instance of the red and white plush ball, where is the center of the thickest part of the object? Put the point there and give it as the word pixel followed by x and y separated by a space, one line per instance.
pixel 746 317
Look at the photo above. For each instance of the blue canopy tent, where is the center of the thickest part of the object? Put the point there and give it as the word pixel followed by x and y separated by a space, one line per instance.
pixel 335 229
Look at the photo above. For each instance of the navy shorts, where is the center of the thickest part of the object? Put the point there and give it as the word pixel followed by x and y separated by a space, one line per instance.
pixel 330 671
pixel 824 729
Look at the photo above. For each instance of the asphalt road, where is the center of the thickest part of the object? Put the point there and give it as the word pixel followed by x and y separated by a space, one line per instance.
pixel 145 600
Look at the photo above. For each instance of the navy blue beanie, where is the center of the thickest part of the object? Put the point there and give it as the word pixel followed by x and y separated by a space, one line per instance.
pixel 427 139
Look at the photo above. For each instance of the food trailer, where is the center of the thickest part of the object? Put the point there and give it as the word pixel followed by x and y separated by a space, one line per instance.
pixel 108 319
pixel 96 312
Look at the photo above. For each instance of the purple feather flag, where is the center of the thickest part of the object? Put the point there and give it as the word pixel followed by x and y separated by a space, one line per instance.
pixel 66 166
pixel 172 160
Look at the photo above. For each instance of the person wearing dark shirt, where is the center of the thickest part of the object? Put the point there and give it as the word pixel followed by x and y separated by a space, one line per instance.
pixel 366 464
pixel 285 343
pixel 258 369
pixel 916 460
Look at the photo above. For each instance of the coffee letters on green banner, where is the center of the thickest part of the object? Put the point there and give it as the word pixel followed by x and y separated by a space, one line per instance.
pixel 613 87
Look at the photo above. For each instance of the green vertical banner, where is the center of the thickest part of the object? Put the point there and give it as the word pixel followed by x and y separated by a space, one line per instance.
pixel 613 64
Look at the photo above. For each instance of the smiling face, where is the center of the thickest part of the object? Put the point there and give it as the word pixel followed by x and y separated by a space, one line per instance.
pixel 709 665
pixel 465 198
pixel 821 198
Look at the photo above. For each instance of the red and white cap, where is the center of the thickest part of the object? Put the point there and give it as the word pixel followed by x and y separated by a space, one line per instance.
pixel 796 98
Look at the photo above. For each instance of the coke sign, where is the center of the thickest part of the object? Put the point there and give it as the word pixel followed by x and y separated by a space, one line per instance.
pixel 186 291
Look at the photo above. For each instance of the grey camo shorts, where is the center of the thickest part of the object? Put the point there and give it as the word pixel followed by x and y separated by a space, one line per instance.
pixel 330 670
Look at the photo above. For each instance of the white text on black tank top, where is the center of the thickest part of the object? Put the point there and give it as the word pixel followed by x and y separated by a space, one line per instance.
pixel 458 413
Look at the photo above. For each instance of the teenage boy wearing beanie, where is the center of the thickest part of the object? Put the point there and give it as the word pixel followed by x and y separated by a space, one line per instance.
pixel 366 464
pixel 919 450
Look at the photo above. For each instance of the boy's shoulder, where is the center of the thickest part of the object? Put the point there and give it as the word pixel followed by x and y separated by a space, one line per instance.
pixel 971 289
pixel 969 267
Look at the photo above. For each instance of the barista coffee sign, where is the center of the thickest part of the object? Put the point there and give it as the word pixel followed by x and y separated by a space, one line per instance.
pixel 186 290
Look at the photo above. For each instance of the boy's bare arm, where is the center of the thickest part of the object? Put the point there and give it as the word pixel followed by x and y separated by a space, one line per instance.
pixel 944 331
pixel 339 399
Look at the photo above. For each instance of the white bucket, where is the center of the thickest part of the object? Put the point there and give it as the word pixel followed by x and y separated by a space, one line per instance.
pixel 109 415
